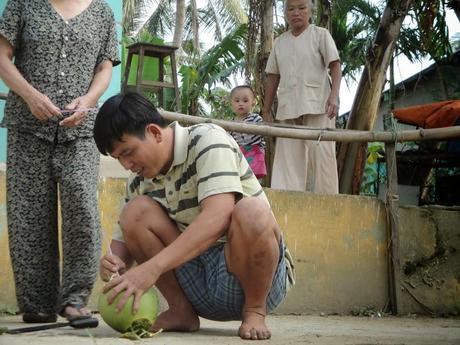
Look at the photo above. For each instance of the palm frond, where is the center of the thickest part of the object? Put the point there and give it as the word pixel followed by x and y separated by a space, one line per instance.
pixel 135 12
pixel 161 21
pixel 215 66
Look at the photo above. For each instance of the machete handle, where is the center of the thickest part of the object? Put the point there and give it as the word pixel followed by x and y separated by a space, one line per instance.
pixel 89 322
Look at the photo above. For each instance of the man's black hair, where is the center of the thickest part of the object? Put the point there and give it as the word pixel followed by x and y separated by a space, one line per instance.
pixel 123 114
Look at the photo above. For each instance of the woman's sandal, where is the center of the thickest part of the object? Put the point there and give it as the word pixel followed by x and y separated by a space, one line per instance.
pixel 39 318
pixel 71 317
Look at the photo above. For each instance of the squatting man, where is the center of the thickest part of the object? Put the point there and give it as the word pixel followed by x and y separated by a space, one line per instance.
pixel 196 221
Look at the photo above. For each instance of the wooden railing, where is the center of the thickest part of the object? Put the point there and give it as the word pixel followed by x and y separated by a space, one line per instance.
pixel 325 134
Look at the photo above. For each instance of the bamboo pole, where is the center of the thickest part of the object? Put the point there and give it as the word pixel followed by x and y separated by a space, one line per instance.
pixel 326 134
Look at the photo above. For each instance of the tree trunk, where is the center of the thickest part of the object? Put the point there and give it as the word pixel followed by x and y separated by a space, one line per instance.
pixel 180 23
pixel 266 43
pixel 196 37
pixel 351 157
pixel 324 14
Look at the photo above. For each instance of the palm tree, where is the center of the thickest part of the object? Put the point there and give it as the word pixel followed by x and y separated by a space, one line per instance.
pixel 186 22
pixel 155 16
pixel 217 65
pixel 138 16
pixel 353 24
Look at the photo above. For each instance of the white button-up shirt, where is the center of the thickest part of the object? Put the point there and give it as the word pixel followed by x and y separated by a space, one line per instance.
pixel 302 63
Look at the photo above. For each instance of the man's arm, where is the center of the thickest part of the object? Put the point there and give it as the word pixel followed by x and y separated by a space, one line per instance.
pixel 271 85
pixel 332 103
pixel 211 224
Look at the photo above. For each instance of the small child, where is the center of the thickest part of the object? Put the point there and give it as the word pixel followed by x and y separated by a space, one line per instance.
pixel 252 145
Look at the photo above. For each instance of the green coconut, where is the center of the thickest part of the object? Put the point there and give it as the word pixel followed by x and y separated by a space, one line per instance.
pixel 124 320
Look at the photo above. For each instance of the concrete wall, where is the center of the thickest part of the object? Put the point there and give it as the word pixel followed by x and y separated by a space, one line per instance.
pixel 339 244
pixel 430 259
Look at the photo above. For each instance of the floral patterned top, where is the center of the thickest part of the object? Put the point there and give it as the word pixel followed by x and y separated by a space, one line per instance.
pixel 58 58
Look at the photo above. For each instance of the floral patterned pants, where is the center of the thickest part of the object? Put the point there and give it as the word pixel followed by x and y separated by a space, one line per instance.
pixel 37 170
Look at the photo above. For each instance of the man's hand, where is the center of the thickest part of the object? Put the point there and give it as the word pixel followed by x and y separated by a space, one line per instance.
pixel 110 266
pixel 77 117
pixel 332 103
pixel 332 106
pixel 267 116
pixel 135 282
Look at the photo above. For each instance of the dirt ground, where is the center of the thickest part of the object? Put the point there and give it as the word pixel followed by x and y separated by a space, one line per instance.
pixel 287 330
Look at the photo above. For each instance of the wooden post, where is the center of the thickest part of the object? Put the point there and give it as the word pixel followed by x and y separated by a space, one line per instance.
pixel 391 201
pixel 266 44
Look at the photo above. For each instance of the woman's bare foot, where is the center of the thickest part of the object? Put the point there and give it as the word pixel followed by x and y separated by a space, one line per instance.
pixel 253 326
pixel 71 311
pixel 175 321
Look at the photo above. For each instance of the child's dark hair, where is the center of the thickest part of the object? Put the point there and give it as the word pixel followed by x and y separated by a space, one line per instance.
pixel 239 87
pixel 123 114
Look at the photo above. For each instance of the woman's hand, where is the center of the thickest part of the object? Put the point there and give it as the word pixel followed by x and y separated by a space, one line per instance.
pixel 41 106
pixel 77 116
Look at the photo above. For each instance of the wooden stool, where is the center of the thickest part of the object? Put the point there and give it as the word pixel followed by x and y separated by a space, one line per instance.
pixel 156 51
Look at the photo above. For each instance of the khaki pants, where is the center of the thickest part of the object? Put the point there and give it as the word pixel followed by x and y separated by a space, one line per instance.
pixel 306 165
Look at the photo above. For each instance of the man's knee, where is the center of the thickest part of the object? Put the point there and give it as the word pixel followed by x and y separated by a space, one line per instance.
pixel 253 216
pixel 134 212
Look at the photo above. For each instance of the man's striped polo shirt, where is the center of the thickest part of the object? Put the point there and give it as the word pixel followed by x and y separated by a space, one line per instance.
pixel 207 161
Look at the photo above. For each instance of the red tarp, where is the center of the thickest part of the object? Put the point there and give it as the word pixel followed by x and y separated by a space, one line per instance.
pixel 432 115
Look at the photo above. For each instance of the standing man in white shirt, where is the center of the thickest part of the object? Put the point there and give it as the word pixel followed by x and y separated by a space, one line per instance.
pixel 304 66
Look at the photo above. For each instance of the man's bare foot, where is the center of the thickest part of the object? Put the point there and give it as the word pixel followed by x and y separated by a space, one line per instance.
pixel 175 321
pixel 253 326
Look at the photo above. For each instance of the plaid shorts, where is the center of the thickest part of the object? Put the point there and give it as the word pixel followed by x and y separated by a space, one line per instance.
pixel 215 293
